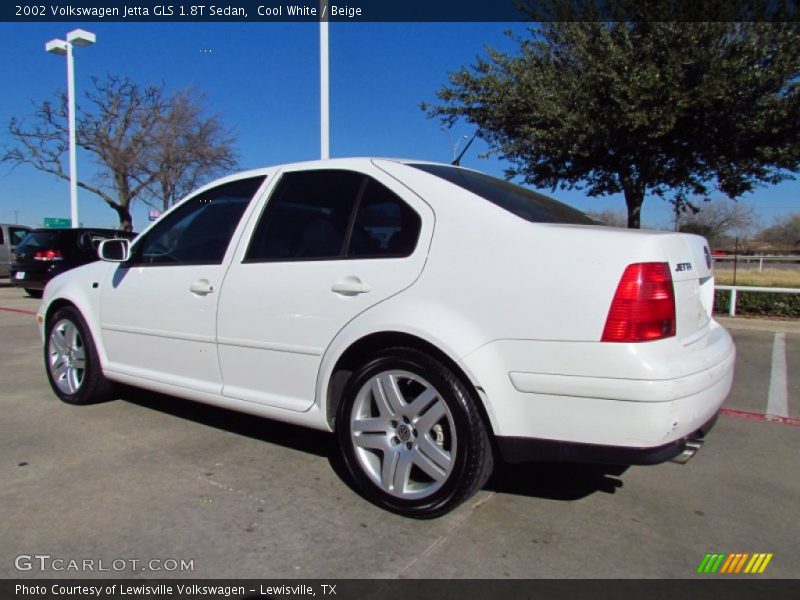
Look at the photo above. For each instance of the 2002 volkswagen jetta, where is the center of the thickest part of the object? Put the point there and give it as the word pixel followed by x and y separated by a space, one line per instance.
pixel 432 316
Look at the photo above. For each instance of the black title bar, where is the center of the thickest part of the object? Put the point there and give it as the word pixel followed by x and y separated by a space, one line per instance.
pixel 399 10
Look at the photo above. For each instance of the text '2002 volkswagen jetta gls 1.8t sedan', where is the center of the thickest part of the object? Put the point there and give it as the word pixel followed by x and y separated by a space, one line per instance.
pixel 432 316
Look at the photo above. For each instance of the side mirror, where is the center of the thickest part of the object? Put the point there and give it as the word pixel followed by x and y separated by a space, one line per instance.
pixel 117 250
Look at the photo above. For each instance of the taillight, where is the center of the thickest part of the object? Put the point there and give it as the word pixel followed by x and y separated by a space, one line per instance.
pixel 48 255
pixel 643 308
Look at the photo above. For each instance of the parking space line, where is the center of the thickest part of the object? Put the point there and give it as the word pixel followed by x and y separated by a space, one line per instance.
pixel 22 311
pixel 778 399
pixel 438 542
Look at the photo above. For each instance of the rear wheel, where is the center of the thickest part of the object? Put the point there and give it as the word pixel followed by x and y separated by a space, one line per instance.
pixel 411 434
pixel 73 367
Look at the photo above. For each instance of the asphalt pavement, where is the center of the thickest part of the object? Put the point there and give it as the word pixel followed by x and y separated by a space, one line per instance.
pixel 152 486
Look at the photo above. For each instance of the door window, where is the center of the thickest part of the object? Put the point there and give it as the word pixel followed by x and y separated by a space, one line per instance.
pixel 330 214
pixel 198 232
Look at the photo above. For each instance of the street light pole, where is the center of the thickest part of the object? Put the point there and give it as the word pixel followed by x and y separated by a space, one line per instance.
pixel 324 84
pixel 78 37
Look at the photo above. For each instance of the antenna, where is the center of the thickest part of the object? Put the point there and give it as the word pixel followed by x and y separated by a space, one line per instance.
pixel 457 161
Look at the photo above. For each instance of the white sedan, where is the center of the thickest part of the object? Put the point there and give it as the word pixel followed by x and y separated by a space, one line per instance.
pixel 432 316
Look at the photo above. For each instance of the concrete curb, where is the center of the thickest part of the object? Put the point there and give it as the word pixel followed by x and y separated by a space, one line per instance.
pixel 776 325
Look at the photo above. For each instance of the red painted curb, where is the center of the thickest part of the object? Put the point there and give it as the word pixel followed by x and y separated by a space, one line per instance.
pixel 753 416
pixel 22 311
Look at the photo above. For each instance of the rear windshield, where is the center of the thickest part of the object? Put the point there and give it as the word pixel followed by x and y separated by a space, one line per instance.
pixel 39 239
pixel 525 203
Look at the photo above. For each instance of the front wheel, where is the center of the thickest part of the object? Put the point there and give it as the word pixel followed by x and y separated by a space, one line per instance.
pixel 73 367
pixel 411 434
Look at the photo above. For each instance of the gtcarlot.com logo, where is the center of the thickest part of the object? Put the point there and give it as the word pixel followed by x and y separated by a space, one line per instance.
pixel 46 562
pixel 743 563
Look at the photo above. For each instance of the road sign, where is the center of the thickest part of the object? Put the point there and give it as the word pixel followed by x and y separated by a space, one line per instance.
pixel 56 223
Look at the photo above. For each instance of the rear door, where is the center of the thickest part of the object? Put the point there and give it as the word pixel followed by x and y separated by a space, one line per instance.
pixel 328 245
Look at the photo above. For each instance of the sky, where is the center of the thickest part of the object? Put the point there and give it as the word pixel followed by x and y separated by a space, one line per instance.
pixel 262 79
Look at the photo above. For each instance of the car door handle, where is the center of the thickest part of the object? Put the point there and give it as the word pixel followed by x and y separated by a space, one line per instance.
pixel 350 286
pixel 201 287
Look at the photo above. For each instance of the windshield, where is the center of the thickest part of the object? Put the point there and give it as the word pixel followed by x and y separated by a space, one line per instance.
pixel 526 204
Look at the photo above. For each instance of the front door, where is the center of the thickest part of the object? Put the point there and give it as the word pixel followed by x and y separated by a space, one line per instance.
pixel 158 311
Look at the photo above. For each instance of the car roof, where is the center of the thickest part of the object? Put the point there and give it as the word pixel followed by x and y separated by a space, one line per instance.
pixel 327 163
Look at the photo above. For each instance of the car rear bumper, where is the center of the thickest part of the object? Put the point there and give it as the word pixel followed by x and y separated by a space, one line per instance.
pixel 32 280
pixel 520 449
pixel 649 396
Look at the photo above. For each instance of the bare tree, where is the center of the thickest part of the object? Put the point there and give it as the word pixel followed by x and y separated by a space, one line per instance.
pixel 187 149
pixel 784 234
pixel 720 219
pixel 146 142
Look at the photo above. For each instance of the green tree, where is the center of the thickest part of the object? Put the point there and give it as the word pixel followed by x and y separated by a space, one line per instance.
pixel 149 145
pixel 638 107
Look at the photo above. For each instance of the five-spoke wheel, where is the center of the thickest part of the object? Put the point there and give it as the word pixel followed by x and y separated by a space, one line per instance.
pixel 412 435
pixel 404 434
pixel 73 367
pixel 66 356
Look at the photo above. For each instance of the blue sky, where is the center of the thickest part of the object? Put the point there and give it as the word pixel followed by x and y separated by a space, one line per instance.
pixel 263 79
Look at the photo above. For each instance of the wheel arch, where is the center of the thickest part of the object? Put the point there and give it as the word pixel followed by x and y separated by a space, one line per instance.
pixel 358 351
pixel 68 300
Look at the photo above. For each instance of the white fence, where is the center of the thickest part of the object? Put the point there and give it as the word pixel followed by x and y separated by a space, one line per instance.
pixel 734 289
pixel 759 259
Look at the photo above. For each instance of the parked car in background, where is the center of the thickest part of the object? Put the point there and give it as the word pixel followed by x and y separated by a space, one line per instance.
pixel 44 253
pixel 435 318
pixel 10 237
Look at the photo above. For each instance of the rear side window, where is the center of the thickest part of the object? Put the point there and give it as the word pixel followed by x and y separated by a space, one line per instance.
pixel 384 226
pixel 88 241
pixel 333 214
pixel 526 204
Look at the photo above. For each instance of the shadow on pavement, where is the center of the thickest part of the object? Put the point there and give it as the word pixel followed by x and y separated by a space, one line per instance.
pixel 555 481
pixel 302 439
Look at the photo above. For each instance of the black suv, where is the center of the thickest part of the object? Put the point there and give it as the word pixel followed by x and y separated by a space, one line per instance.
pixel 44 253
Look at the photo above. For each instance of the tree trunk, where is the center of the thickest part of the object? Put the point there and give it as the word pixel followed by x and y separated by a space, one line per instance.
pixel 634 198
pixel 125 218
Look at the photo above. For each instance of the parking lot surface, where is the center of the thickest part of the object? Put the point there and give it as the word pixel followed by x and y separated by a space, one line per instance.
pixel 152 478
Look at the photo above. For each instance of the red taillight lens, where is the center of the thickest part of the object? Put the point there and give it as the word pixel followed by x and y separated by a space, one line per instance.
pixel 48 255
pixel 643 308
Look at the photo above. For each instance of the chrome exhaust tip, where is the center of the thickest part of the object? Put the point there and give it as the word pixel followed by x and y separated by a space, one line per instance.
pixel 692 446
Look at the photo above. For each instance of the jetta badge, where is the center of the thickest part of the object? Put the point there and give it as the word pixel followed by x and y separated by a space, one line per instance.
pixel 707 252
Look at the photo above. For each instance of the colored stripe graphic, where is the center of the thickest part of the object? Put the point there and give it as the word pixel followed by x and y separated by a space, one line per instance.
pixel 734 563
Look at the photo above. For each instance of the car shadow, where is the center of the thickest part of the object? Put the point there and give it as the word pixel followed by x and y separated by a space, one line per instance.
pixel 295 437
pixel 553 481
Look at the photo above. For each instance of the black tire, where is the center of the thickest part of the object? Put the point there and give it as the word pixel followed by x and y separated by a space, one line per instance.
pixel 72 384
pixel 34 293
pixel 464 458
